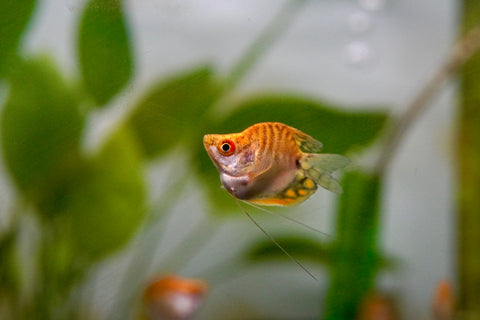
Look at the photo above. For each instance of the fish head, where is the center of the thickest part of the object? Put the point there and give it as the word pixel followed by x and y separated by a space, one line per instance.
pixel 234 157
pixel 230 153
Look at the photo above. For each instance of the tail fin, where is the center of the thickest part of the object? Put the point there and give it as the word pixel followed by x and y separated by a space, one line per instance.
pixel 319 166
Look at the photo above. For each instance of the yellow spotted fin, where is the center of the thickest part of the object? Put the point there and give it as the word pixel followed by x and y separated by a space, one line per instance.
pixel 319 168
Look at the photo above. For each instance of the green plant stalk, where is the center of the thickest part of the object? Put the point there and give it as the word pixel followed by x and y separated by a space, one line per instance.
pixel 145 247
pixel 58 273
pixel 464 56
pixel 355 259
pixel 468 201
pixel 10 276
pixel 264 41
pixel 240 69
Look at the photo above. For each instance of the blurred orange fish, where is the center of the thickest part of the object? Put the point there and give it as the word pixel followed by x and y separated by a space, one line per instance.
pixel 443 305
pixel 173 298
pixel 271 163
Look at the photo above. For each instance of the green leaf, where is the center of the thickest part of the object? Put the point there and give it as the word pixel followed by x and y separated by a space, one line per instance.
pixel 298 246
pixel 40 129
pixel 339 131
pixel 173 109
pixel 303 248
pixel 356 261
pixel 104 49
pixel 14 16
pixel 107 202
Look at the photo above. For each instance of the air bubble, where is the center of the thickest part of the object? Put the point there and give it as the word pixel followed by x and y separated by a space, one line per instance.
pixel 358 53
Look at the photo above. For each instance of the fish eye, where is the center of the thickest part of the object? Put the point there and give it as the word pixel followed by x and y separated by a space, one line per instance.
pixel 227 147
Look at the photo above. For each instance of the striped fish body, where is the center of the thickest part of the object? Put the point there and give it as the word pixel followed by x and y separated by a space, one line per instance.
pixel 271 163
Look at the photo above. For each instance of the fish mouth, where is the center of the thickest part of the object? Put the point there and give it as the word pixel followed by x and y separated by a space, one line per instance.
pixel 207 141
pixel 210 147
pixel 211 153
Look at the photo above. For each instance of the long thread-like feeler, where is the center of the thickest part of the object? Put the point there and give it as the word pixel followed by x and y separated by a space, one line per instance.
pixel 276 243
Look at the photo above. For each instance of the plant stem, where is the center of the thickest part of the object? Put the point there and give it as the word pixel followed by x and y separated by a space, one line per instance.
pixel 460 54
pixel 276 28
pixel 355 260
pixel 145 246
pixel 146 243
pixel 468 200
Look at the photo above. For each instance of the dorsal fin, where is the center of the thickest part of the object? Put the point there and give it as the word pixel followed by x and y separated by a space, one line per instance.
pixel 306 143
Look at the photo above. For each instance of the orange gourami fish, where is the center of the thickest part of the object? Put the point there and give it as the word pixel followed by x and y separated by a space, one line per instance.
pixel 271 163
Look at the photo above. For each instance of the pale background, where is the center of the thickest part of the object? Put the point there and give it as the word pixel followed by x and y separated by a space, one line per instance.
pixel 354 53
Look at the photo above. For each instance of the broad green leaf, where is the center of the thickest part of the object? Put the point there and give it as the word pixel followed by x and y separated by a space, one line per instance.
pixel 356 261
pixel 40 129
pixel 14 16
pixel 104 49
pixel 305 249
pixel 173 109
pixel 339 131
pixel 298 246
pixel 107 202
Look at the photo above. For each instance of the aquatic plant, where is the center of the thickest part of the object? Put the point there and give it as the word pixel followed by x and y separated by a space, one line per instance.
pixel 74 207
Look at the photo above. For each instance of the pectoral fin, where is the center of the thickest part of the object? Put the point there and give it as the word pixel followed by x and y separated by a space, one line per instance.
pixel 319 167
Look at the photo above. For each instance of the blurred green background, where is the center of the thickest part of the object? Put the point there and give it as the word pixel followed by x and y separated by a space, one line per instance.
pixel 105 183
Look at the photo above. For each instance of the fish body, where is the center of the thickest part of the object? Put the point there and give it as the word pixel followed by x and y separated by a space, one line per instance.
pixel 271 163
